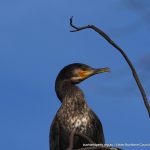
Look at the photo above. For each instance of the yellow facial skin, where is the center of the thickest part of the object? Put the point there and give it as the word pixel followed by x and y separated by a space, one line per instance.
pixel 84 74
pixel 87 73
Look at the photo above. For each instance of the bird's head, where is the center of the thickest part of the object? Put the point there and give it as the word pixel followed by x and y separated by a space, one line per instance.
pixel 75 73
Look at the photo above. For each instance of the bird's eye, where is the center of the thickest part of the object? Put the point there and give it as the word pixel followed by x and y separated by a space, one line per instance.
pixel 84 68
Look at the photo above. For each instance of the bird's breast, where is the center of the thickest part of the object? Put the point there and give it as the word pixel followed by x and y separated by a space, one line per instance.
pixel 77 120
pixel 80 122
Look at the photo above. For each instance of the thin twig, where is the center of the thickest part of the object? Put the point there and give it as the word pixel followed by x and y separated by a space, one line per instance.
pixel 109 40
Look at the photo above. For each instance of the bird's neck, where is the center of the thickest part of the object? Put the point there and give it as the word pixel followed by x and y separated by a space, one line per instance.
pixel 69 93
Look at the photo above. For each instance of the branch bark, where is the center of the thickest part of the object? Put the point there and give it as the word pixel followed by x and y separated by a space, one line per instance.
pixel 109 40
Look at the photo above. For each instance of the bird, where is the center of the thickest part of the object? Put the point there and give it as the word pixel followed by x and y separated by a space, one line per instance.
pixel 74 112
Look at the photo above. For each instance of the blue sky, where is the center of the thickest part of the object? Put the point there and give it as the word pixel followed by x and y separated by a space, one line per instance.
pixel 35 43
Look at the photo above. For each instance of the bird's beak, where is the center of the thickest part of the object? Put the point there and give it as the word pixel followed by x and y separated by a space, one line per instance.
pixel 100 70
pixel 91 72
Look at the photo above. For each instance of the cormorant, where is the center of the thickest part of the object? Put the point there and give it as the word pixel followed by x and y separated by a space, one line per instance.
pixel 74 112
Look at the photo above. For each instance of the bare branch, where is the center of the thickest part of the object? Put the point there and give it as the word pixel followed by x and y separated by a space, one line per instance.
pixel 71 140
pixel 109 40
pixel 73 134
pixel 99 147
pixel 85 137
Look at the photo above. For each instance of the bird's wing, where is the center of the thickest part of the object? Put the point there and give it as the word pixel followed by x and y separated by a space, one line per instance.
pixel 54 135
pixel 99 128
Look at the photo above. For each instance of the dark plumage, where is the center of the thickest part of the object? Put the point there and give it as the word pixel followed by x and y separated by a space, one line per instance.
pixel 74 112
